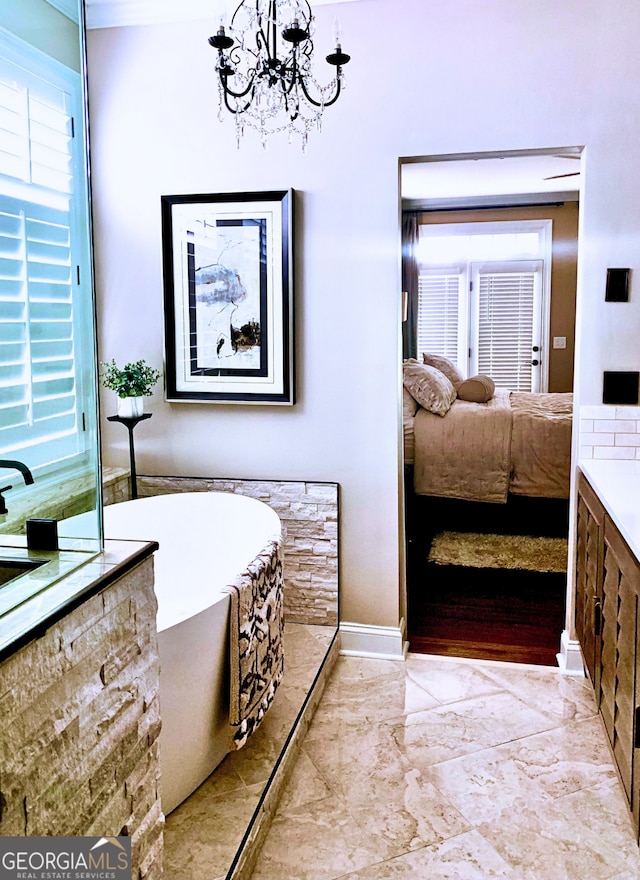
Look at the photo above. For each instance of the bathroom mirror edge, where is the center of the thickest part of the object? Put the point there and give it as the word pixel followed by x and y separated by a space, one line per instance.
pixel 52 429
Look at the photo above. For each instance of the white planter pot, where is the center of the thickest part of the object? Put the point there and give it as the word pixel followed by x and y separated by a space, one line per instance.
pixel 130 407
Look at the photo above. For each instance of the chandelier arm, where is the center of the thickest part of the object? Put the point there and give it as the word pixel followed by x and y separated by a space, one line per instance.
pixel 273 11
pixel 291 74
pixel 321 103
pixel 235 110
pixel 229 91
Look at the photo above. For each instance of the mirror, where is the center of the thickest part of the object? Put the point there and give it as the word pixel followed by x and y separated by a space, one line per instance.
pixel 49 459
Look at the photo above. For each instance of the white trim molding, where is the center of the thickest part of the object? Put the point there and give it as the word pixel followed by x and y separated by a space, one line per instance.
pixel 364 640
pixel 570 656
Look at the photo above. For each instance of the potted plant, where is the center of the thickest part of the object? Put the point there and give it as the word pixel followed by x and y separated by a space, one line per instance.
pixel 132 383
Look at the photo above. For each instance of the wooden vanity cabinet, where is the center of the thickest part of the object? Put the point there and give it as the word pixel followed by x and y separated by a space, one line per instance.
pixel 607 622
pixel 589 578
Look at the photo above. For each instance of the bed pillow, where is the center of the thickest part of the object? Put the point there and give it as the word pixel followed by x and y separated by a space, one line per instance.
pixel 445 366
pixel 477 389
pixel 429 387
pixel 409 406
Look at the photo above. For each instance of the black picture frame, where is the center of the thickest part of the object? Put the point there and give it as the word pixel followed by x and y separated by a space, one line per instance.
pixel 228 297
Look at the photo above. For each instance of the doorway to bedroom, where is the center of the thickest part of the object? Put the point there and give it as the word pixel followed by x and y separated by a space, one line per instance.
pixel 489 277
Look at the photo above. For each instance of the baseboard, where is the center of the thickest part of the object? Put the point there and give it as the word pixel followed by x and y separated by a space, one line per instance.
pixel 570 656
pixel 384 642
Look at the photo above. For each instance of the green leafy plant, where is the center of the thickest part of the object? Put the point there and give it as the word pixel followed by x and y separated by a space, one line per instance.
pixel 132 380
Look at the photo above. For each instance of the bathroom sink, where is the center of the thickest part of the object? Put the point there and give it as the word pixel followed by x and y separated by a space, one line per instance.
pixel 13 568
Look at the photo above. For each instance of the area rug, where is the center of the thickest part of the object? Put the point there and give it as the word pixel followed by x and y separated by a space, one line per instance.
pixel 520 552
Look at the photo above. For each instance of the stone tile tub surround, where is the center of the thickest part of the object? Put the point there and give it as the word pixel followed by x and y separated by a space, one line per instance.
pixel 610 432
pixel 309 515
pixel 79 716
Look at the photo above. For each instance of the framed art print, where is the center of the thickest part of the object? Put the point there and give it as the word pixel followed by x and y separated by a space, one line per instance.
pixel 228 297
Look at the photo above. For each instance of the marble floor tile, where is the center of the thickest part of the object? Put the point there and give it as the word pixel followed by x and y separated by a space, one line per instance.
pixel 448 680
pixel 323 840
pixel 369 777
pixel 466 857
pixel 373 699
pixel 561 697
pixel 566 759
pixel 550 842
pixel 485 786
pixel 504 772
pixel 470 725
pixel 306 785
pixel 200 838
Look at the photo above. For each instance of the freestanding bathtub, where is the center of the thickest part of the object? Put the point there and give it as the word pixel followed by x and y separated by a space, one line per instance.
pixel 206 540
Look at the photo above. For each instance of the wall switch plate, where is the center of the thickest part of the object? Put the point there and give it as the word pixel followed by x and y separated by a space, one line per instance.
pixel 559 341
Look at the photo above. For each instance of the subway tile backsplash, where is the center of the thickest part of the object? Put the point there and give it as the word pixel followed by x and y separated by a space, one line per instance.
pixel 610 432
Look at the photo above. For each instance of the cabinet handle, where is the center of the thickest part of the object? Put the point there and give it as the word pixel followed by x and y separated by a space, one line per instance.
pixel 637 725
pixel 597 616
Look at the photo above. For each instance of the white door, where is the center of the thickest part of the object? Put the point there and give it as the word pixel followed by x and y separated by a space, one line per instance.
pixel 506 321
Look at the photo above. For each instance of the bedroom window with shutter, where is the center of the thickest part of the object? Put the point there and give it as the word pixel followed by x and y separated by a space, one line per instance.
pixel 481 301
pixel 505 303
pixel 441 312
pixel 40 379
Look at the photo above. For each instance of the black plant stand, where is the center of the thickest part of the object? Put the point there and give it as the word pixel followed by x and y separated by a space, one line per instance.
pixel 130 425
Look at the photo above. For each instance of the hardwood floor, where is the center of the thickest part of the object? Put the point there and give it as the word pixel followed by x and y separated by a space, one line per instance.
pixel 486 613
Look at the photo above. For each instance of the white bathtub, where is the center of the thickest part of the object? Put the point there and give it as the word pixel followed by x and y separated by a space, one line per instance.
pixel 206 540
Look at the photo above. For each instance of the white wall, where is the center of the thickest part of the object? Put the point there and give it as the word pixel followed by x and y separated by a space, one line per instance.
pixel 428 77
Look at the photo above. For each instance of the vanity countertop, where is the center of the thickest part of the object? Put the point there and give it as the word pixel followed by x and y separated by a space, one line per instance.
pixel 617 484
pixel 47 599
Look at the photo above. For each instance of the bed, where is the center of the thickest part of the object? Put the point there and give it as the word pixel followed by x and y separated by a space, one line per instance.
pixel 515 443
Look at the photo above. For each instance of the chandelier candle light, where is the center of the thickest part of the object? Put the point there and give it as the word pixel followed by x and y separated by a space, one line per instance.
pixel 264 67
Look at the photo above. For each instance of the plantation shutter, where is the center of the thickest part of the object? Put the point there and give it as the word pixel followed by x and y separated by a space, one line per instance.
pixel 439 313
pixel 507 302
pixel 37 359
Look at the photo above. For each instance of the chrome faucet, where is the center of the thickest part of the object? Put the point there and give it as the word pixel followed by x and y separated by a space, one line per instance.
pixel 12 465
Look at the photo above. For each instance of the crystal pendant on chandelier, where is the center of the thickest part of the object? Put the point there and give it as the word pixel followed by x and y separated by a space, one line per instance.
pixel 265 72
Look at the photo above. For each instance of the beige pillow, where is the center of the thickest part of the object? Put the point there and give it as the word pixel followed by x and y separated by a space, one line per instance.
pixel 429 387
pixel 409 406
pixel 477 389
pixel 445 366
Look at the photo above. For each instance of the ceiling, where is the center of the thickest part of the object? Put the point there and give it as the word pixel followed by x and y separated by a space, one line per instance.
pixel 493 175
pixel 119 13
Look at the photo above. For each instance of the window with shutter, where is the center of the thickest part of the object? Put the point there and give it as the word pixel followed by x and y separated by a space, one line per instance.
pixel 507 302
pixel 488 317
pixel 40 381
pixel 440 302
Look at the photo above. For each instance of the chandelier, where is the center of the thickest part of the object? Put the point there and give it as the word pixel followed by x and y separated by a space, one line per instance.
pixel 264 68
